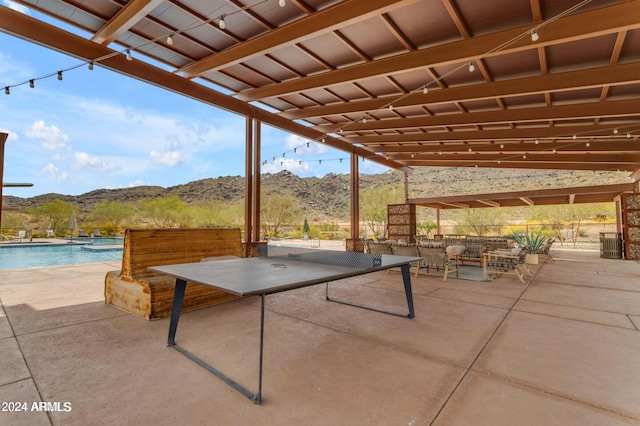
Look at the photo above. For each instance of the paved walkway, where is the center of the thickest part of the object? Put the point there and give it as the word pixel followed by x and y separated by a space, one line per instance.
pixel 561 350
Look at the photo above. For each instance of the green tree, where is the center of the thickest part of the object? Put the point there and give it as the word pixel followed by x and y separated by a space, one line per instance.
pixel 373 207
pixel 562 216
pixel 56 212
pixel 111 213
pixel 305 226
pixel 278 210
pixel 209 214
pixel 426 228
pixel 166 212
pixel 484 221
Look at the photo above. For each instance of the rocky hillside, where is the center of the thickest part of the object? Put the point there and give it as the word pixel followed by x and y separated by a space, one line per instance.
pixel 327 198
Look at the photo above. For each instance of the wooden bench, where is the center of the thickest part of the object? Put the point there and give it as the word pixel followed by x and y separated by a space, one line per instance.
pixel 149 294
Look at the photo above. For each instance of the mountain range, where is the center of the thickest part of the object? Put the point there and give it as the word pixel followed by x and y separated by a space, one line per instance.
pixel 327 197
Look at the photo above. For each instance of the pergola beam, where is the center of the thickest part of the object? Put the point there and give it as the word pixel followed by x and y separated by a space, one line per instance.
pixel 565 81
pixel 127 17
pixel 602 109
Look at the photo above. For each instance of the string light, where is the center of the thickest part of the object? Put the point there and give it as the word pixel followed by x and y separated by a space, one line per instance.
pixel 7 91
pixel 615 131
pixel 127 54
pixel 90 66
pixel 425 90
pixel 534 35
pixel 170 39
pixel 472 67
pixel 59 75
pixel 32 84
pixel 282 3
pixel 221 22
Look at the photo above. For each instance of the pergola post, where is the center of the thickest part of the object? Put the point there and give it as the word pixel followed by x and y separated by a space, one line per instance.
pixel 3 139
pixel 252 189
pixel 355 243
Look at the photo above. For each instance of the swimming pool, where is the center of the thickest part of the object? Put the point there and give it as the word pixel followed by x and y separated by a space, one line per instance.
pixel 41 254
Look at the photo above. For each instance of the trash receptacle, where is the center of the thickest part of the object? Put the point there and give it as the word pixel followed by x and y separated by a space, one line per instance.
pixel 611 245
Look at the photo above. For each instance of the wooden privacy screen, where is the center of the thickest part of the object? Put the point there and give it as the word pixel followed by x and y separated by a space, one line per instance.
pixel 149 294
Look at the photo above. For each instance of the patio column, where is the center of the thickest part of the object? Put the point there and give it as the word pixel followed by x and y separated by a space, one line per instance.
pixel 252 189
pixel 3 139
pixel 355 243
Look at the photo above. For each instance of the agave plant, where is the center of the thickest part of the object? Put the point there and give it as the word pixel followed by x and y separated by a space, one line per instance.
pixel 533 241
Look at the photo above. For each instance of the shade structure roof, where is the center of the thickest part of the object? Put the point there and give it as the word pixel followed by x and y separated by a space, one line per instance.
pixel 540 197
pixel 542 84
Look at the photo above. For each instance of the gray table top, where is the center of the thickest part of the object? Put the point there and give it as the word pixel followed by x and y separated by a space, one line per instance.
pixel 257 275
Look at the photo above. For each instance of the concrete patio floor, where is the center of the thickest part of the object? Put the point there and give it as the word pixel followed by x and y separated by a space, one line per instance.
pixel 561 350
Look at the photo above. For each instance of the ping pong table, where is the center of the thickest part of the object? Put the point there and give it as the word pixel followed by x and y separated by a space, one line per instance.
pixel 279 269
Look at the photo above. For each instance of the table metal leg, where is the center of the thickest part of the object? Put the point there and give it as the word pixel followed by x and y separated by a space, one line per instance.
pixel 406 278
pixel 178 297
pixel 176 307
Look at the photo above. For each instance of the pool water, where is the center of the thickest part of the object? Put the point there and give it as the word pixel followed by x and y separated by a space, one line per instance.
pixel 40 254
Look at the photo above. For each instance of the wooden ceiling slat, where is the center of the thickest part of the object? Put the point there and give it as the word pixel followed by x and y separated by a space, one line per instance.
pixel 616 18
pixel 320 22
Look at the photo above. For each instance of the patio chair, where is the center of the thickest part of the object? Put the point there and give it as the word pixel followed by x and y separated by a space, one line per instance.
pixel 378 248
pixel 20 235
pixel 406 250
pixel 82 233
pixel 501 262
pixel 544 250
pixel 96 233
pixel 434 256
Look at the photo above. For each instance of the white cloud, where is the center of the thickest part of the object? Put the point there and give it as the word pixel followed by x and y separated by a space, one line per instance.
pixel 55 174
pixel 51 136
pixel 15 6
pixel 93 163
pixel 166 158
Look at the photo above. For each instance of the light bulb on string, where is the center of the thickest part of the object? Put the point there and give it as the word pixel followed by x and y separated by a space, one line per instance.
pixel 472 67
pixel 425 90
pixel 127 54
pixel 90 66
pixel 534 35
pixel 7 91
pixel 221 23
pixel 282 3
pixel 170 39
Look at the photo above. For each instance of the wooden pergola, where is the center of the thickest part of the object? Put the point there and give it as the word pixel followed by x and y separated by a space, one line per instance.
pixel 519 84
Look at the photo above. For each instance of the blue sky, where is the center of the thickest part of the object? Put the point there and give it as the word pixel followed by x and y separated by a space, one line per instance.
pixel 99 129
